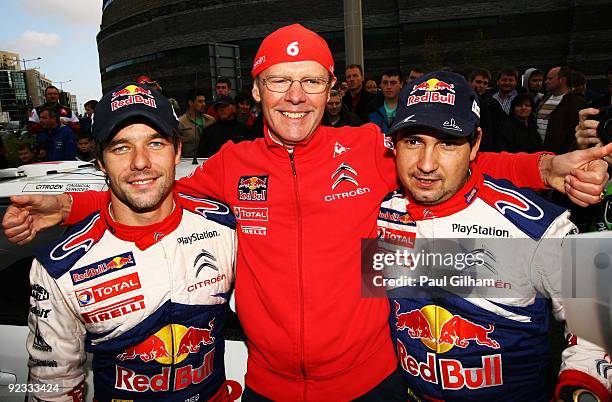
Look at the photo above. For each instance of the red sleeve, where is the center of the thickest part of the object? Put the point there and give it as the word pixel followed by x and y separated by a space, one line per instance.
pixel 575 378
pixel 385 160
pixel 521 169
pixel 34 128
pixel 207 180
pixel 76 127
pixel 86 203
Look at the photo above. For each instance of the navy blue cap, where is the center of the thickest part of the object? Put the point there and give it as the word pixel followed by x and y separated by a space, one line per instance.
pixel 442 101
pixel 224 100
pixel 132 100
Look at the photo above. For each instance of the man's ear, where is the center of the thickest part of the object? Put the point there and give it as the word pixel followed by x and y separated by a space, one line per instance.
pixel 255 92
pixel 177 157
pixel 101 165
pixel 476 144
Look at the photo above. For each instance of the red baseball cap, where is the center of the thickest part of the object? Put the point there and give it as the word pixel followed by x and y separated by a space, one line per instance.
pixel 292 43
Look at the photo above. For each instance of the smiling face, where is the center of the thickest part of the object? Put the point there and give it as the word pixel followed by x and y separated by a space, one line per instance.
pixel 292 116
pixel 431 167
pixel 140 165
pixel 523 110
pixel 506 83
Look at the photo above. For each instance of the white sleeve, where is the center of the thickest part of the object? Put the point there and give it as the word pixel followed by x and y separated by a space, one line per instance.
pixel 56 341
pixel 583 364
pixel 34 117
pixel 73 117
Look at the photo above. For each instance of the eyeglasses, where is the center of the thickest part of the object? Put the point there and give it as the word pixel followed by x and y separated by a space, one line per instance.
pixel 310 85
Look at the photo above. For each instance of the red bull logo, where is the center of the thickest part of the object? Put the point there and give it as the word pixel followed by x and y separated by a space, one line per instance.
pixel 432 89
pixel 414 322
pixel 440 331
pixel 103 267
pixel 131 90
pixel 253 188
pixel 450 373
pixel 130 95
pixel 173 337
pixel 170 345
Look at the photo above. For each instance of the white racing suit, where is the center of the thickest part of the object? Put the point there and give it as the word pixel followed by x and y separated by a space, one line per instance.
pixel 148 302
pixel 475 341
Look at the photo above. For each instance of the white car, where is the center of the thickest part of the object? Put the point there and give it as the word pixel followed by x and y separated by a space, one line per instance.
pixel 15 262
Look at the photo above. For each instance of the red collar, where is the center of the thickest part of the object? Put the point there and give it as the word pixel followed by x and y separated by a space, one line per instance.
pixel 309 146
pixel 145 236
pixel 456 203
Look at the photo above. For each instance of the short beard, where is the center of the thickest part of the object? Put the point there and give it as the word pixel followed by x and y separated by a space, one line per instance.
pixel 137 204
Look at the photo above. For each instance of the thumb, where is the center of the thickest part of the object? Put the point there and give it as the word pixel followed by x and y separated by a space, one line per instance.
pixel 22 200
pixel 598 152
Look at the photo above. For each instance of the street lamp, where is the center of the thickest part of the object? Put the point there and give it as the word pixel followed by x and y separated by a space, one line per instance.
pixel 62 84
pixel 24 62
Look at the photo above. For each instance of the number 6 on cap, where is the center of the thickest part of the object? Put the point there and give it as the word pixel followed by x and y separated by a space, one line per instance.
pixel 293 49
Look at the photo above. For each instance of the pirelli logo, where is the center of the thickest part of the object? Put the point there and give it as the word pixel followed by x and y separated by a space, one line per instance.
pixel 115 310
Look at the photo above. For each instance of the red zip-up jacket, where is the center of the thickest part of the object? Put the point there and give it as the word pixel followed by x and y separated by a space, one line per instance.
pixel 301 217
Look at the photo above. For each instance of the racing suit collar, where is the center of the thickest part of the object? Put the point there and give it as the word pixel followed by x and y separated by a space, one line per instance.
pixel 145 236
pixel 309 145
pixel 456 203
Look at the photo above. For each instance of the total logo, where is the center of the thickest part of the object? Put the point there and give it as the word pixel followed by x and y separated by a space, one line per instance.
pixel 108 289
pixel 440 331
pixel 132 94
pixel 397 237
pixel 432 92
pixel 169 346
pixel 251 214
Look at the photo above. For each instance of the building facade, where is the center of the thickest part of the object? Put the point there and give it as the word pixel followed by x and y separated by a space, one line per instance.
pixel 13 96
pixel 36 83
pixel 158 37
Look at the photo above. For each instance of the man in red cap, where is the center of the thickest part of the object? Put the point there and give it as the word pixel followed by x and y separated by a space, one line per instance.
pixel 304 196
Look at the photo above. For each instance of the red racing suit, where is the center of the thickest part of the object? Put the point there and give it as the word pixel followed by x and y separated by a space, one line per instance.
pixel 300 217
pixel 458 340
pixel 149 302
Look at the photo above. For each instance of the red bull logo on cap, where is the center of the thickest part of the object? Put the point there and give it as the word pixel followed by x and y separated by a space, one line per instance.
pixel 433 89
pixel 253 188
pixel 169 346
pixel 132 94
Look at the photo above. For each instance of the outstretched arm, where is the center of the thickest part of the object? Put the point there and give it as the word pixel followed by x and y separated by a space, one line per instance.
pixel 582 175
pixel 29 214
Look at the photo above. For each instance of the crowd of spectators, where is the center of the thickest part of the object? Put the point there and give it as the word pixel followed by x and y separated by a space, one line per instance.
pixel 536 110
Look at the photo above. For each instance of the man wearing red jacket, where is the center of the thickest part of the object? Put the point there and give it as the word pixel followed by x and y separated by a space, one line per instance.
pixel 304 196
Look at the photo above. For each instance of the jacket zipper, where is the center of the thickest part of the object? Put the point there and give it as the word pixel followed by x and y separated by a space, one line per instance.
pixel 300 274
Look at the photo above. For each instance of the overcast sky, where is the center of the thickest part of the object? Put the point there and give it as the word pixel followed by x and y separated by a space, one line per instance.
pixel 63 33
